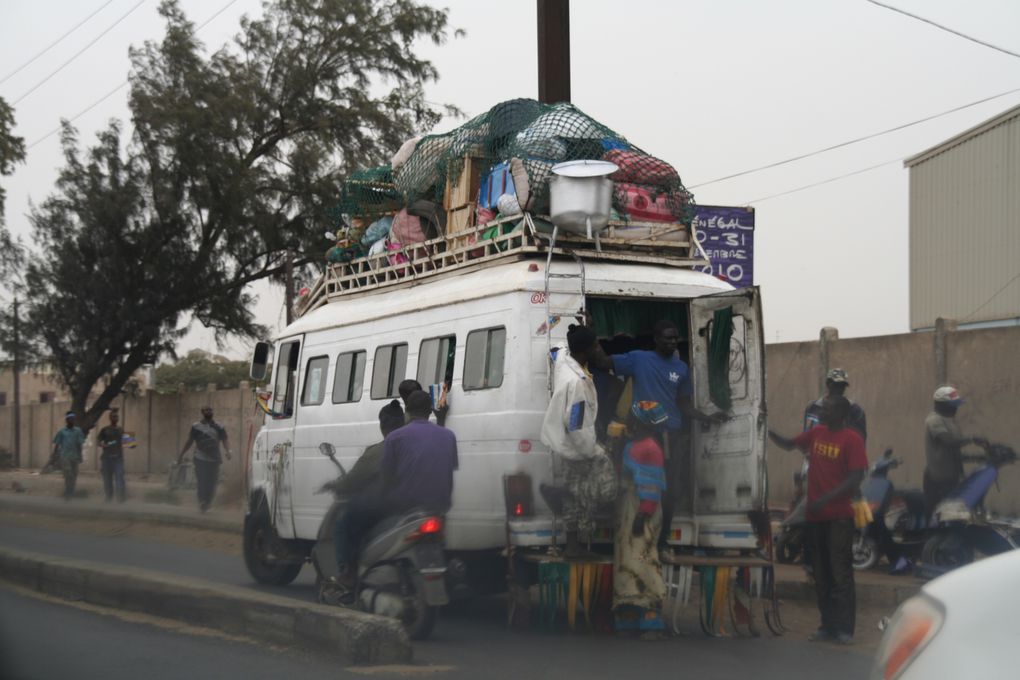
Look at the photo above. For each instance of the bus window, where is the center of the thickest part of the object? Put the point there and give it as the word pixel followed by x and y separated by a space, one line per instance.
pixel 483 359
pixel 315 381
pixel 348 384
pixel 388 369
pixel 435 360
pixel 286 379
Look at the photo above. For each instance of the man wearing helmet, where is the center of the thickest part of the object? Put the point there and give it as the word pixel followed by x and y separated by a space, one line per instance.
pixel 943 442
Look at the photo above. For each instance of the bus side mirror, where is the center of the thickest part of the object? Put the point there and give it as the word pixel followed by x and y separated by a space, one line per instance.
pixel 259 361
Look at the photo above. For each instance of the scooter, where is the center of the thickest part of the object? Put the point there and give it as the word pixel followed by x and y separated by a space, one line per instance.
pixel 401 571
pixel 960 524
pixel 899 514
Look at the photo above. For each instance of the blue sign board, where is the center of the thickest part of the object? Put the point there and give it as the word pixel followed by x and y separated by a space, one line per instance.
pixel 727 236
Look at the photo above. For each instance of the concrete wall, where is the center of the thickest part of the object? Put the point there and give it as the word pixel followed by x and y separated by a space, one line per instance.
pixel 160 423
pixel 892 377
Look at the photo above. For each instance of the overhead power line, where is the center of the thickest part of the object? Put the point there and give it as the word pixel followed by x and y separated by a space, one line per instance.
pixel 945 28
pixel 825 181
pixel 994 295
pixel 120 87
pixel 79 52
pixel 54 43
pixel 853 141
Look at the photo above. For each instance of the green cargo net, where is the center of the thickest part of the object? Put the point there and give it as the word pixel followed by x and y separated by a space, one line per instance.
pixel 532 138
pixel 368 194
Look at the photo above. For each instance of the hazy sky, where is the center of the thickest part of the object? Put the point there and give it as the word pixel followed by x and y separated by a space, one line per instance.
pixel 714 87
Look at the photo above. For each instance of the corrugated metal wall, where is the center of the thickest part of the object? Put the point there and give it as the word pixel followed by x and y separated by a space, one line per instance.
pixel 965 229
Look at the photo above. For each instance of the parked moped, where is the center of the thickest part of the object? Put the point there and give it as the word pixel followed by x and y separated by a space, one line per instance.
pixel 900 523
pixel 401 570
pixel 960 524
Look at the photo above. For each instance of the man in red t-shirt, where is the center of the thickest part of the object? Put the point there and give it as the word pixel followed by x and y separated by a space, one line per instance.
pixel 837 463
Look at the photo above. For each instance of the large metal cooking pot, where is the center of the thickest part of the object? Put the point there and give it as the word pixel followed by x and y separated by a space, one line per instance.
pixel 580 196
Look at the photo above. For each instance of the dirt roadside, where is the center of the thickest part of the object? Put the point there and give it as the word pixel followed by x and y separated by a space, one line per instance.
pixel 203 539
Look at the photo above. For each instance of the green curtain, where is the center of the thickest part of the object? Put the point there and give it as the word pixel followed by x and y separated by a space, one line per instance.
pixel 719 358
pixel 615 316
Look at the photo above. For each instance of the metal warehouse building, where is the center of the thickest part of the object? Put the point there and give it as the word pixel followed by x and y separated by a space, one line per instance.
pixel 965 227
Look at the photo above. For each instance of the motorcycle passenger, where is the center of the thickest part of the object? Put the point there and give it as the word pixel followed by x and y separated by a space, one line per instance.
pixel 419 460
pixel 416 468
pixel 943 442
pixel 365 478
pixel 837 465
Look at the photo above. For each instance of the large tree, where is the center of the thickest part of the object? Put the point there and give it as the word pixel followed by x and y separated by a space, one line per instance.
pixel 234 160
pixel 12 152
pixel 199 369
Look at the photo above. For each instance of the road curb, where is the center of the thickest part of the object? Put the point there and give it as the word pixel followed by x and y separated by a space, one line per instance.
pixel 115 512
pixel 354 637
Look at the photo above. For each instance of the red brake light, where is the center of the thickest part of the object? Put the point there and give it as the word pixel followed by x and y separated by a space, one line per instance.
pixel 433 525
pixel 518 510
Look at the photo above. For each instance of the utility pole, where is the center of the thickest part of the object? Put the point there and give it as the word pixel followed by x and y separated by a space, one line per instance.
pixel 553 51
pixel 289 297
pixel 17 387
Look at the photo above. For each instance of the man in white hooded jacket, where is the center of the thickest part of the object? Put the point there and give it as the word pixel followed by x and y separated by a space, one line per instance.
pixel 569 431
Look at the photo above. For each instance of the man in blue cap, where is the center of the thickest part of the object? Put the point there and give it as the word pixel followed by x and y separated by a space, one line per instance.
pixel 67 445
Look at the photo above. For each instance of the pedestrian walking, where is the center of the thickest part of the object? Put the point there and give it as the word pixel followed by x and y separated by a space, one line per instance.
pixel 206 435
pixel 837 463
pixel 67 445
pixel 111 458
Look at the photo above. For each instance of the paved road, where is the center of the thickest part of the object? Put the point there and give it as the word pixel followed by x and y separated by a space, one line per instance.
pixel 45 640
pixel 474 641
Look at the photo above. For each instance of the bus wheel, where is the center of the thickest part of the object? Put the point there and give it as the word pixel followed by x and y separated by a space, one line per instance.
pixel 259 539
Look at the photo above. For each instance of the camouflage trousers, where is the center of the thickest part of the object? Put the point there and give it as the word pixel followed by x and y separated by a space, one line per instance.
pixel 592 485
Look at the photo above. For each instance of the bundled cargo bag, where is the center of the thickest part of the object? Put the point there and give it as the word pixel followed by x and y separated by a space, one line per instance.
pixel 407 229
pixel 495 183
pixel 640 168
pixel 377 231
pixel 642 204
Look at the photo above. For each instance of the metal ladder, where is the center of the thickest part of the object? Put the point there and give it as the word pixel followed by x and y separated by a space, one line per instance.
pixel 554 314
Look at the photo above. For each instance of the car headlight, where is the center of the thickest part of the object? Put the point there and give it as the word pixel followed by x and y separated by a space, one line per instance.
pixel 912 627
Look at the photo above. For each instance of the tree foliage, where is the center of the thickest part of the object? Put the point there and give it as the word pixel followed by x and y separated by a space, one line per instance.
pixel 198 370
pixel 12 152
pixel 233 161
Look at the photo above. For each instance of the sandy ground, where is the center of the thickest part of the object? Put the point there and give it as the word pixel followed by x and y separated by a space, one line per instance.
pixel 203 539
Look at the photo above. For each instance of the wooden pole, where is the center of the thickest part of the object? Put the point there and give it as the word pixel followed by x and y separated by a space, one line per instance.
pixel 553 51
pixel 17 388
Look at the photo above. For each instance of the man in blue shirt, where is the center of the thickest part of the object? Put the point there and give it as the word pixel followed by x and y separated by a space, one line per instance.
pixel 67 445
pixel 660 375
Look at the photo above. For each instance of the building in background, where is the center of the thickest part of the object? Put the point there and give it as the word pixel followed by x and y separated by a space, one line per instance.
pixel 965 227
pixel 40 384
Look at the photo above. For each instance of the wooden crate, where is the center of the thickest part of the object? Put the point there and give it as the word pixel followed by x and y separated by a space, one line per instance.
pixel 460 220
pixel 462 190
